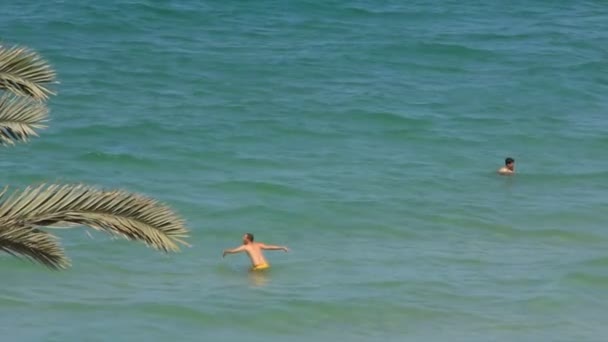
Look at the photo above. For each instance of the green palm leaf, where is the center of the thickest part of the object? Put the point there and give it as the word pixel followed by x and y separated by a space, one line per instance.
pixel 25 73
pixel 117 212
pixel 33 244
pixel 20 118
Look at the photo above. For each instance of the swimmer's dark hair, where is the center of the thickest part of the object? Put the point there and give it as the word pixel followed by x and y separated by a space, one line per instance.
pixel 509 161
pixel 249 236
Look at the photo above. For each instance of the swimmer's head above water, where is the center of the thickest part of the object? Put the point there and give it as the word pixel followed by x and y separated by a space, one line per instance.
pixel 510 164
pixel 509 167
pixel 247 238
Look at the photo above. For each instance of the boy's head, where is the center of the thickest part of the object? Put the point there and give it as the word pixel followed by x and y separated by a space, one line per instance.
pixel 510 163
pixel 247 238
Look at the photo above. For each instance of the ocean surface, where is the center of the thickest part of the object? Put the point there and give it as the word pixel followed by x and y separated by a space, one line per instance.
pixel 364 135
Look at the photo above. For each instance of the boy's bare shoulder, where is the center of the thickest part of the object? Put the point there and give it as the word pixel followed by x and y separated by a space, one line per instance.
pixel 505 171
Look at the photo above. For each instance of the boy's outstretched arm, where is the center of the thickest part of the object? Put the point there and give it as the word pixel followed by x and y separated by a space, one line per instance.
pixel 274 248
pixel 233 251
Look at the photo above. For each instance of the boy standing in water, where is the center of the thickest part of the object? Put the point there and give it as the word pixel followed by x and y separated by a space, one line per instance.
pixel 509 167
pixel 254 250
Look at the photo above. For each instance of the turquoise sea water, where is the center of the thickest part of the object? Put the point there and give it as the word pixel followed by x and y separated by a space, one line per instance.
pixel 362 134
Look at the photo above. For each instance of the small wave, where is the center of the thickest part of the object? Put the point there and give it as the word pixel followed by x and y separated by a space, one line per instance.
pixel 518 233
pixel 81 306
pixel 162 11
pixel 391 120
pixel 503 36
pixel 595 262
pixel 174 311
pixel 589 280
pixel 379 12
pixel 249 211
pixel 309 133
pixel 559 234
pixel 353 312
pixel 592 66
pixel 257 187
pixel 454 50
pixel 149 129
pixel 542 303
pixel 560 177
pixel 116 158
pixel 476 262
pixel 248 162
pixel 6 301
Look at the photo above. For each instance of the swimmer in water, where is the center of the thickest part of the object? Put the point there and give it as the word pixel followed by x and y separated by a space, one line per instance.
pixel 509 167
pixel 254 250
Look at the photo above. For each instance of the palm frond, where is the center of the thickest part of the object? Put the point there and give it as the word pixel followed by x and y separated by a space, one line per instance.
pixel 24 73
pixel 20 118
pixel 33 244
pixel 117 212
